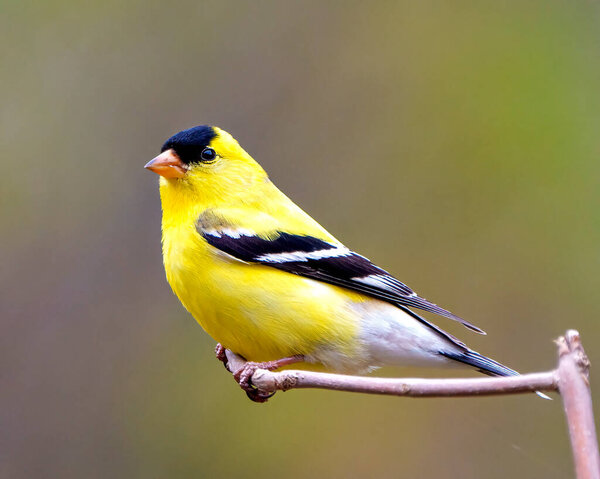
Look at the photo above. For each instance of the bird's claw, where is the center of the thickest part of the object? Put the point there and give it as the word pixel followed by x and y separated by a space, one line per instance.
pixel 243 376
pixel 258 396
pixel 220 354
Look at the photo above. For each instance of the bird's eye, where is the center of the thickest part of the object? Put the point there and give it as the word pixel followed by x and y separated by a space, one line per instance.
pixel 208 154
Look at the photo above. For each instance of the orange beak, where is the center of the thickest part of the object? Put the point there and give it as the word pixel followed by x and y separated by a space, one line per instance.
pixel 168 165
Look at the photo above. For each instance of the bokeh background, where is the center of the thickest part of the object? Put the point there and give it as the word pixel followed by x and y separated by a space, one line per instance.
pixel 454 143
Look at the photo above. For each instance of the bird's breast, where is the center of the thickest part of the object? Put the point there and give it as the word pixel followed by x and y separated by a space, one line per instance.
pixel 257 311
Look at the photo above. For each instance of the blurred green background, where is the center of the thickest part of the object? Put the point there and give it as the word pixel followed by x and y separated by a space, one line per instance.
pixel 454 143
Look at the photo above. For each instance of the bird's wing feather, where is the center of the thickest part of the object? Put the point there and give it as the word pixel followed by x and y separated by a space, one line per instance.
pixel 319 259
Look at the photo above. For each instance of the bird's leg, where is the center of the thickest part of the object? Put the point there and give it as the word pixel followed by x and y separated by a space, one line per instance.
pixel 220 354
pixel 244 375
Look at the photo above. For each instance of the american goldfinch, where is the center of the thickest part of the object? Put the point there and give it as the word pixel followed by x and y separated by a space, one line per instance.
pixel 268 282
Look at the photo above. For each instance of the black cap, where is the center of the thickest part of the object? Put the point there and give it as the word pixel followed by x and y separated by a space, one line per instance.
pixel 188 144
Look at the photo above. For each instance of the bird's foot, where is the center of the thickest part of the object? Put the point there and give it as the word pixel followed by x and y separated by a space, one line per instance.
pixel 243 376
pixel 220 354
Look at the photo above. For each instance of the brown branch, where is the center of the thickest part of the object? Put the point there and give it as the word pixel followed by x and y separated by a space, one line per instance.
pixel 574 387
pixel 268 382
pixel 570 379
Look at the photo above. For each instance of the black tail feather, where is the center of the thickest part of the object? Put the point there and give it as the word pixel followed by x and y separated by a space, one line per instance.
pixel 482 363
pixel 485 365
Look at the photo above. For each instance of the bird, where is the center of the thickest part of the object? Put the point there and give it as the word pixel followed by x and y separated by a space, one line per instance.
pixel 269 283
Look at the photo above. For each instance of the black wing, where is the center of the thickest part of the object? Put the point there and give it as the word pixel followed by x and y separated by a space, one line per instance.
pixel 328 262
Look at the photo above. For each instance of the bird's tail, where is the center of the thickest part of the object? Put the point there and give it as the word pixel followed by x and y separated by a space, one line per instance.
pixel 484 364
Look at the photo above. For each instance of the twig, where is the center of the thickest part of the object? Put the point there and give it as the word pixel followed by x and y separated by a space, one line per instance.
pixel 268 382
pixel 570 379
pixel 574 387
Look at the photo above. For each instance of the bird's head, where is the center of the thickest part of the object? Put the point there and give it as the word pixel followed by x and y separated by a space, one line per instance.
pixel 206 162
